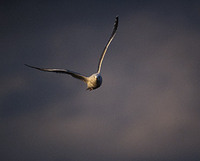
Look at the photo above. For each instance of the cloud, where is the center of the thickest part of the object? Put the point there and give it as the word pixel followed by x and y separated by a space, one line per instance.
pixel 146 109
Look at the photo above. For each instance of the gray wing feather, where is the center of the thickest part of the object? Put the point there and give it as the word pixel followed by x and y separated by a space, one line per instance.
pixel 108 43
pixel 62 71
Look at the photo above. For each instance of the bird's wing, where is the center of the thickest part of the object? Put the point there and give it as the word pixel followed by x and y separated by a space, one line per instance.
pixel 108 43
pixel 62 71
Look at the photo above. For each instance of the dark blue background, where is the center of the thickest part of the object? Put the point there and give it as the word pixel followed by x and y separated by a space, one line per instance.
pixel 147 108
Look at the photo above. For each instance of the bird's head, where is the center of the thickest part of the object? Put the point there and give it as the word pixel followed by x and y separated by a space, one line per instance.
pixel 98 79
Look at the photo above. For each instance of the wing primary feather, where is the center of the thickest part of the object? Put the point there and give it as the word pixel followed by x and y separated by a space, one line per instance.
pixel 62 71
pixel 108 43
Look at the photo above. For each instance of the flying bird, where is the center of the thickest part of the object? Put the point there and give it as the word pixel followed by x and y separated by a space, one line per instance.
pixel 95 80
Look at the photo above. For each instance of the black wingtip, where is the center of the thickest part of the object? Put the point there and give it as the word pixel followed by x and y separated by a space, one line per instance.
pixel 117 18
pixel 32 66
pixel 28 65
pixel 116 22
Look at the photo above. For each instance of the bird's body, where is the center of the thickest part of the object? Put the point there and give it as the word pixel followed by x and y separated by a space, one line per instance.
pixel 95 80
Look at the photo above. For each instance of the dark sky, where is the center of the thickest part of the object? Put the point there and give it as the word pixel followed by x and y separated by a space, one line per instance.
pixel 148 107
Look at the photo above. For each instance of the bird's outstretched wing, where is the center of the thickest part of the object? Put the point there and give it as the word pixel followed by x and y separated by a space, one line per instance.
pixel 108 43
pixel 62 71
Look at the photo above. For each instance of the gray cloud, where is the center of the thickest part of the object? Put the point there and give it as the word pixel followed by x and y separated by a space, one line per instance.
pixel 147 107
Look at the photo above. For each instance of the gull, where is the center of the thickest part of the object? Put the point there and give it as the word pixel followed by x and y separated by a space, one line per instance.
pixel 95 80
